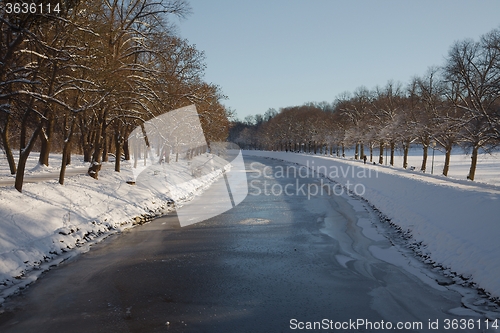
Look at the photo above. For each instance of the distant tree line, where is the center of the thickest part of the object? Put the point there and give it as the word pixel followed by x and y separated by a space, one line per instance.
pixel 454 104
pixel 82 77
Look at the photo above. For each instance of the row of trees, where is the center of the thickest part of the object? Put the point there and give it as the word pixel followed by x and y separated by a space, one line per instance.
pixel 455 104
pixel 83 77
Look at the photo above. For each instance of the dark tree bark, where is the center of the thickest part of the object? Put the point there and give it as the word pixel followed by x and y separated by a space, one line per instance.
pixel 46 134
pixel 406 148
pixel 23 157
pixel 105 157
pixel 447 157
pixel 392 152
pixel 118 146
pixel 66 152
pixel 46 140
pixel 424 159
pixel 381 153
pixel 6 146
pixel 472 171
pixel 96 163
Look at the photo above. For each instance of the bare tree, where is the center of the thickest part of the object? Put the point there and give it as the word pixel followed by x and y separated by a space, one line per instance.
pixel 472 67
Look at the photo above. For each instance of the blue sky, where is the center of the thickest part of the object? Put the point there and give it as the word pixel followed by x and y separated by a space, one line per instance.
pixel 277 53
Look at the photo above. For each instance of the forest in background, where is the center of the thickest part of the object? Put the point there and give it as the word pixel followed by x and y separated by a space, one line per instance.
pixel 79 76
pixel 456 104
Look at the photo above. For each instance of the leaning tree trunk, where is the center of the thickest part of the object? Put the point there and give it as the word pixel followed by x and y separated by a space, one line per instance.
pixel 447 157
pixel 7 148
pixel 23 157
pixel 68 159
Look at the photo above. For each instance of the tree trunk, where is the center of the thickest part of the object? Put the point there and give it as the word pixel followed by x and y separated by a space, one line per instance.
pixel 381 153
pixel 87 153
pixel 105 157
pixel 447 157
pixel 424 160
pixel 87 139
pixel 24 124
pixel 7 148
pixel 46 139
pixel 472 171
pixel 406 148
pixel 126 150
pixel 371 153
pixel 118 150
pixel 95 167
pixel 135 150
pixel 356 151
pixel 66 153
pixel 23 157
pixel 392 152
pixel 361 150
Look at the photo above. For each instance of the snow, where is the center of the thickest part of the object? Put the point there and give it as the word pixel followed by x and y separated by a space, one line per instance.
pixel 49 222
pixel 454 222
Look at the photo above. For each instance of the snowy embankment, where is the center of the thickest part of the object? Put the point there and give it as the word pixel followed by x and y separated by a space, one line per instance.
pixel 49 222
pixel 455 222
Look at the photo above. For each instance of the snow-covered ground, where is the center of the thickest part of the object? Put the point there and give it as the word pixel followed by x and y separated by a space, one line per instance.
pixel 488 164
pixel 48 222
pixel 454 220
pixel 453 223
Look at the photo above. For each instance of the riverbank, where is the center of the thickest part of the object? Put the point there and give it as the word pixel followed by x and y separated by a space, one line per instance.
pixel 49 223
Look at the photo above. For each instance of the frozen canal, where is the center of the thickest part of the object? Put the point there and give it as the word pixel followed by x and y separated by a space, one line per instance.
pixel 278 262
